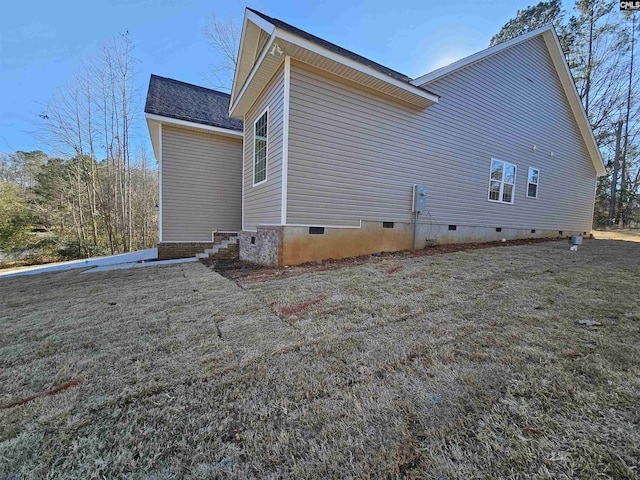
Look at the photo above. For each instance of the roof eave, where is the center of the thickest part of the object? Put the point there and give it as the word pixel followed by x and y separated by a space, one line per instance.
pixel 557 56
pixel 482 54
pixel 308 45
pixel 412 94
pixel 227 132
pixel 555 50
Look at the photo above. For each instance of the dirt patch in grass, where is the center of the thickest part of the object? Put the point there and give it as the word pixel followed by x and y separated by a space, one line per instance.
pixel 463 365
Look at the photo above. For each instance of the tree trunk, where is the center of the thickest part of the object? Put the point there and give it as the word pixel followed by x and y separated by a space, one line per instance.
pixel 614 176
pixel 624 184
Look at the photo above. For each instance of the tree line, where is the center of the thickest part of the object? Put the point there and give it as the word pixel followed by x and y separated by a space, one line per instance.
pixel 96 192
pixel 600 45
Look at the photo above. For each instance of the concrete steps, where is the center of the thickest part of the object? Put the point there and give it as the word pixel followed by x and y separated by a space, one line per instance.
pixel 227 249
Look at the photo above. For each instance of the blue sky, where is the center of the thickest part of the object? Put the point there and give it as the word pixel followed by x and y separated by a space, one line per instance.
pixel 43 43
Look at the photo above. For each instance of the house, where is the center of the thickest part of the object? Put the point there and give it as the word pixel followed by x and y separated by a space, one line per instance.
pixel 342 156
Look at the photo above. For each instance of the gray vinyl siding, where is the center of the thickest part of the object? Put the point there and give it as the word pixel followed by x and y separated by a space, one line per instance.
pixel 201 184
pixel 262 203
pixel 354 155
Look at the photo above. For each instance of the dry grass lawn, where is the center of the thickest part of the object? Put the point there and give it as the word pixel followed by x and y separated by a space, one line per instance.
pixel 627 235
pixel 460 366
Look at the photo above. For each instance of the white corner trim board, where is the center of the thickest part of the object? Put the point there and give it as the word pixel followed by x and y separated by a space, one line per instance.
pixel 160 182
pixel 285 139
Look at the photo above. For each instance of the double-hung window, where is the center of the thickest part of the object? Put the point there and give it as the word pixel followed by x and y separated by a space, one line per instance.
pixel 533 182
pixel 502 181
pixel 260 131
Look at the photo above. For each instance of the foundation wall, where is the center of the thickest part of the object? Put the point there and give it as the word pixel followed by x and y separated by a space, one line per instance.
pixel 168 251
pixel 299 246
pixel 295 245
pixel 279 246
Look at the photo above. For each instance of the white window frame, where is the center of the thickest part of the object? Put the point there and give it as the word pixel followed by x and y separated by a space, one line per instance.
pixel 537 184
pixel 502 182
pixel 253 158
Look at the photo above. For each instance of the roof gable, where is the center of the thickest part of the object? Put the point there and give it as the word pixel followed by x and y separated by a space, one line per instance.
pixel 332 47
pixel 259 60
pixel 562 69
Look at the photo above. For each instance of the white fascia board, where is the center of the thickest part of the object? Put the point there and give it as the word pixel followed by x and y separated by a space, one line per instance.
pixel 199 126
pixel 152 125
pixel 562 68
pixel 442 71
pixel 566 79
pixel 260 23
pixel 235 73
pixel 233 105
pixel 308 45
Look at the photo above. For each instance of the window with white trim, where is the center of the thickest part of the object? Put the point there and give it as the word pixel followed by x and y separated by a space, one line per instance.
pixel 532 182
pixel 260 130
pixel 502 181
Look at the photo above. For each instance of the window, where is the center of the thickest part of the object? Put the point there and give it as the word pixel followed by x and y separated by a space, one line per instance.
pixel 532 182
pixel 260 131
pixel 502 181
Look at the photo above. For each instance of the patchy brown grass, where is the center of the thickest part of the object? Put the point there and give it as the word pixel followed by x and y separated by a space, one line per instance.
pixel 458 366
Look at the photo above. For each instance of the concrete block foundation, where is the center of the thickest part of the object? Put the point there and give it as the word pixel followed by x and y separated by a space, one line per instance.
pixel 263 247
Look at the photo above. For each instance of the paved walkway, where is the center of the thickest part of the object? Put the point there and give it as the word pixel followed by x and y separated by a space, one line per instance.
pixel 245 323
pixel 97 264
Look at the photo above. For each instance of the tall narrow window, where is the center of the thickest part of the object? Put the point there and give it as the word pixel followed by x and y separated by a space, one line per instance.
pixel 260 130
pixel 532 182
pixel 502 181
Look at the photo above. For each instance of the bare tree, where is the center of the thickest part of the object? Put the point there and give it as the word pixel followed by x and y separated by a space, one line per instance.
pixel 223 36
pixel 90 120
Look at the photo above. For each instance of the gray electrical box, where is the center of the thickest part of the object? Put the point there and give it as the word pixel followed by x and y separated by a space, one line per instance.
pixel 575 240
pixel 419 198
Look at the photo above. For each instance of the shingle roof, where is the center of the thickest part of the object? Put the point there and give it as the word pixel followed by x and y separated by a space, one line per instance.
pixel 184 101
pixel 332 47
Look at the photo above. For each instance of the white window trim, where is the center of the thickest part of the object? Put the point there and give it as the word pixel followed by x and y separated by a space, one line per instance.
pixel 502 183
pixel 537 184
pixel 253 157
